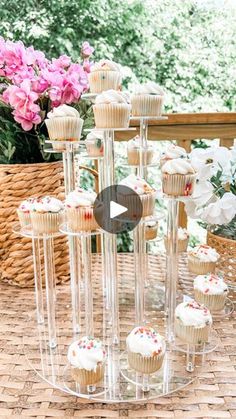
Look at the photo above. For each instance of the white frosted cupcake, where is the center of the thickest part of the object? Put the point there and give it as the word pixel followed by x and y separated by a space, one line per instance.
pixel 202 259
pixel 146 350
pixel 146 193
pixel 151 230
pixel 178 177
pixel 210 290
pixel 192 322
pixel 46 215
pixel 24 211
pixel 183 238
pixel 173 152
pixel 79 206
pixel 147 100
pixel 64 124
pixel 87 358
pixel 95 143
pixel 112 110
pixel 104 75
pixel 133 152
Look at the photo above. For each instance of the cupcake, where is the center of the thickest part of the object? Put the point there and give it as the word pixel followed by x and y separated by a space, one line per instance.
pixel 145 192
pixel 192 322
pixel 87 360
pixel 173 152
pixel 151 230
pixel 112 110
pixel 104 75
pixel 183 238
pixel 23 211
pixel 210 290
pixel 46 215
pixel 202 259
pixel 146 350
pixel 79 206
pixel 63 124
pixel 147 100
pixel 95 143
pixel 178 177
pixel 133 152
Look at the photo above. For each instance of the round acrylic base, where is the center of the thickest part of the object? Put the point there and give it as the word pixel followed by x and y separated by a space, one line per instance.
pixel 226 312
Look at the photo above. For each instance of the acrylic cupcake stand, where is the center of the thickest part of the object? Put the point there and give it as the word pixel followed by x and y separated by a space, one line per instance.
pixel 94 305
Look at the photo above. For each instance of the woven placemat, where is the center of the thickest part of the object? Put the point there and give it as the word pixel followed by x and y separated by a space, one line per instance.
pixel 24 394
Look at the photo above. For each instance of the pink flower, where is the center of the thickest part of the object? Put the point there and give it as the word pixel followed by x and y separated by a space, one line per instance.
pixel 27 119
pixel 62 62
pixel 21 97
pixel 86 50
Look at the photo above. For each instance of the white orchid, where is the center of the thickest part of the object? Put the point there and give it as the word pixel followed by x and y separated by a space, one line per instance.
pixel 208 161
pixel 222 211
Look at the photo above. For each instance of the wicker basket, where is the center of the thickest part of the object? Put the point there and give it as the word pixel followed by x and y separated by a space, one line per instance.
pixel 227 250
pixel 17 182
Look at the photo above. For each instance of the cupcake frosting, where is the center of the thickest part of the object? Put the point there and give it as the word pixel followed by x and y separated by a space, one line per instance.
pixel 27 205
pixel 205 253
pixel 145 341
pixel 193 314
pixel 174 152
pixel 177 166
pixel 80 198
pixel 135 143
pixel 182 233
pixel 86 353
pixel 95 135
pixel 210 284
pixel 47 204
pixel 139 185
pixel 150 87
pixel 63 111
pixel 107 65
pixel 112 96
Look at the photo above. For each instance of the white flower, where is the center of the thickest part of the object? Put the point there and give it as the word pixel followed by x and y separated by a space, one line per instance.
pixel 208 161
pixel 222 211
pixel 192 210
pixel 203 192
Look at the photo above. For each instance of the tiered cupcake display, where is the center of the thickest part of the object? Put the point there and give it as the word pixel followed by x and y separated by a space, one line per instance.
pixel 98 366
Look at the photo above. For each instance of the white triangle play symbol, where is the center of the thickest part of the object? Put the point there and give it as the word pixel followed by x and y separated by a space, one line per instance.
pixel 116 209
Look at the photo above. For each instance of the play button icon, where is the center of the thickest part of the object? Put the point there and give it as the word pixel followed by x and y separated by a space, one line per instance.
pixel 118 209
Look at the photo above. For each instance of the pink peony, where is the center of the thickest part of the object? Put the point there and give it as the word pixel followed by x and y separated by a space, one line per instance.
pixel 86 50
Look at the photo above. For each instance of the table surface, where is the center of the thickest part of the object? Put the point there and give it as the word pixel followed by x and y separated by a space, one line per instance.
pixel 24 394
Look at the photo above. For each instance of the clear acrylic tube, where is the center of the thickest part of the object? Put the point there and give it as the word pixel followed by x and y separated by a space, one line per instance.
pixel 190 358
pixel 139 266
pixel 109 249
pixel 69 168
pixel 171 265
pixel 48 249
pixel 75 278
pixel 38 280
pixel 88 286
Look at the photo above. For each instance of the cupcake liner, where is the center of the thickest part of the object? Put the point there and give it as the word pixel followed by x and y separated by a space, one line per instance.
pixel 147 105
pixel 47 222
pixel 64 128
pixel 130 201
pixel 182 245
pixel 145 364
pixel 93 150
pixel 134 157
pixel 81 219
pixel 85 377
pixel 151 232
pixel 24 218
pixel 112 115
pixel 178 185
pixel 190 334
pixel 102 80
pixel 196 266
pixel 212 302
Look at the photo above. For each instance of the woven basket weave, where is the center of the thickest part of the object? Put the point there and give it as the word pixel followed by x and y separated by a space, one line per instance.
pixel 227 250
pixel 17 182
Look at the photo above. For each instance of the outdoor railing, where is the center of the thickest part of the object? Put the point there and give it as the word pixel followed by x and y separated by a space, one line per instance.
pixel 184 128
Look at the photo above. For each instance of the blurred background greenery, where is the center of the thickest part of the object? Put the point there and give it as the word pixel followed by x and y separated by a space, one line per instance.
pixel 187 46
